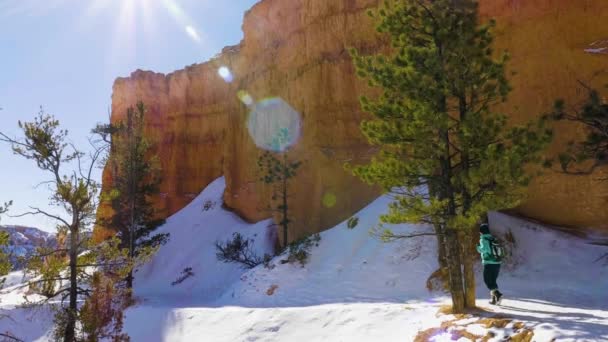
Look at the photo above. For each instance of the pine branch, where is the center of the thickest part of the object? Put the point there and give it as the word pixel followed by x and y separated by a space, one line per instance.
pixel 11 338
pixel 394 237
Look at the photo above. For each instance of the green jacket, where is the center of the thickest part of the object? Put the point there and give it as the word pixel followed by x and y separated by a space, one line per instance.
pixel 485 250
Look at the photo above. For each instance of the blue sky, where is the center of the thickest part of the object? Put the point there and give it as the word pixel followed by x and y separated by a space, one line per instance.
pixel 64 55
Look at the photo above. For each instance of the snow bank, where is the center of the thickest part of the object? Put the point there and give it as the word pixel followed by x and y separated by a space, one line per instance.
pixel 348 266
pixel 193 232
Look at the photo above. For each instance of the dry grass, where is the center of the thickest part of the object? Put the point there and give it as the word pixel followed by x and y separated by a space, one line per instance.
pixel 271 290
pixel 427 335
pixel 438 280
pixel 486 318
pixel 480 312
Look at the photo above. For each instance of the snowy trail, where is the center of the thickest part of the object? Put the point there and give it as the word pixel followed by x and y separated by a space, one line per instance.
pixel 353 322
pixel 353 288
pixel 551 321
pixel 332 322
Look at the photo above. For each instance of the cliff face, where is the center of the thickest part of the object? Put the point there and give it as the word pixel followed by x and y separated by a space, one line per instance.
pixel 186 120
pixel 295 52
pixel 552 43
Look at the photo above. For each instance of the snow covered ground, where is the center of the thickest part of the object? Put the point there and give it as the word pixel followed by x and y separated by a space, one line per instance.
pixel 354 288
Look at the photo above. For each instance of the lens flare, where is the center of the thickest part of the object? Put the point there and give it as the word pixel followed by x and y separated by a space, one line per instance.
pixel 225 74
pixel 274 125
pixel 329 200
pixel 245 97
pixel 191 31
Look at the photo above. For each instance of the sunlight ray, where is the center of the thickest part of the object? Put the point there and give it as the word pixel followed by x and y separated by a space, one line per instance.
pixel 183 20
pixel 123 38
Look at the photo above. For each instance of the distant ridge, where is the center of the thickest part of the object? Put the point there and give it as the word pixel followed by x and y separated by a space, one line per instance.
pixel 23 241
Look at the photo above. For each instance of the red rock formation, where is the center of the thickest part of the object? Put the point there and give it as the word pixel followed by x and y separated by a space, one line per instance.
pixel 186 121
pixel 547 40
pixel 297 51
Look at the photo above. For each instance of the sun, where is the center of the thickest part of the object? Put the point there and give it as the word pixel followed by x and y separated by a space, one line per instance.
pixel 143 12
pixel 138 19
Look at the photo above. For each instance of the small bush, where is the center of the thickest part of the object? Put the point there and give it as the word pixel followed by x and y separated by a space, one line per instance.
pixel 267 260
pixel 186 273
pixel 102 314
pixel 208 205
pixel 352 222
pixel 239 251
pixel 299 250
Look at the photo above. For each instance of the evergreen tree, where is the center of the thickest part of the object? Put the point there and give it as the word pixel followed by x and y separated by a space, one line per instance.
pixel 76 260
pixel 583 158
pixel 136 178
pixel 277 169
pixel 437 130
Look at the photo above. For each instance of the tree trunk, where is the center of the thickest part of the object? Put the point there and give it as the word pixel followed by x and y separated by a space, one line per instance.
pixel 466 236
pixel 469 271
pixel 455 271
pixel 285 219
pixel 441 250
pixel 132 198
pixel 70 327
pixel 441 253
pixel 130 279
pixel 452 243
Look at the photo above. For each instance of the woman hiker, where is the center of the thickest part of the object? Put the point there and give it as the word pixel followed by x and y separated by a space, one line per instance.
pixel 491 254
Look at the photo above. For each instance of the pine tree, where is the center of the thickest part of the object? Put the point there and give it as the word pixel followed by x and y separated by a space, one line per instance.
pixel 437 130
pixel 277 169
pixel 76 259
pixel 136 178
pixel 584 157
pixel 46 144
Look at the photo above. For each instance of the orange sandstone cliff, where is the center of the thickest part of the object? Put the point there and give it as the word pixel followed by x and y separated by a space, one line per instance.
pixel 296 51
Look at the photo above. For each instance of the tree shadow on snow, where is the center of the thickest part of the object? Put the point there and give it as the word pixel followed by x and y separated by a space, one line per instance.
pixel 582 324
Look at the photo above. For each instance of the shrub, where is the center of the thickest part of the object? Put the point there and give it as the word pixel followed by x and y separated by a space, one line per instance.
pixel 352 222
pixel 102 314
pixel 299 250
pixel 186 273
pixel 239 251
pixel 208 205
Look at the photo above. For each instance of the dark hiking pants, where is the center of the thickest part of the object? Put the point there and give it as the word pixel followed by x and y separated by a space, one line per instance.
pixel 490 274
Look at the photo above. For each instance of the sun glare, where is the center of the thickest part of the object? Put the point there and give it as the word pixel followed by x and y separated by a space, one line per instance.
pixel 132 11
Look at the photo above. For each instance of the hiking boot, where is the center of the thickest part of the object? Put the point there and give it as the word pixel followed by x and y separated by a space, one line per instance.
pixel 496 297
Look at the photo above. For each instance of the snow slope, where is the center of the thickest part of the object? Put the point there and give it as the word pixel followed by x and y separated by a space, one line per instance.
pixel 193 232
pixel 351 284
pixel 357 288
pixel 354 288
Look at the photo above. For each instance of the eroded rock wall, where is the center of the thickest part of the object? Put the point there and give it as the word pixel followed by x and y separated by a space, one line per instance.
pixel 549 42
pixel 296 51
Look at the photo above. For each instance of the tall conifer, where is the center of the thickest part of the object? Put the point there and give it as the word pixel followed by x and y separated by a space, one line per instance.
pixel 437 128
pixel 136 179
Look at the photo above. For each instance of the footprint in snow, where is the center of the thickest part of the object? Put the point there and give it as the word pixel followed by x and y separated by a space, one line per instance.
pixel 273 329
